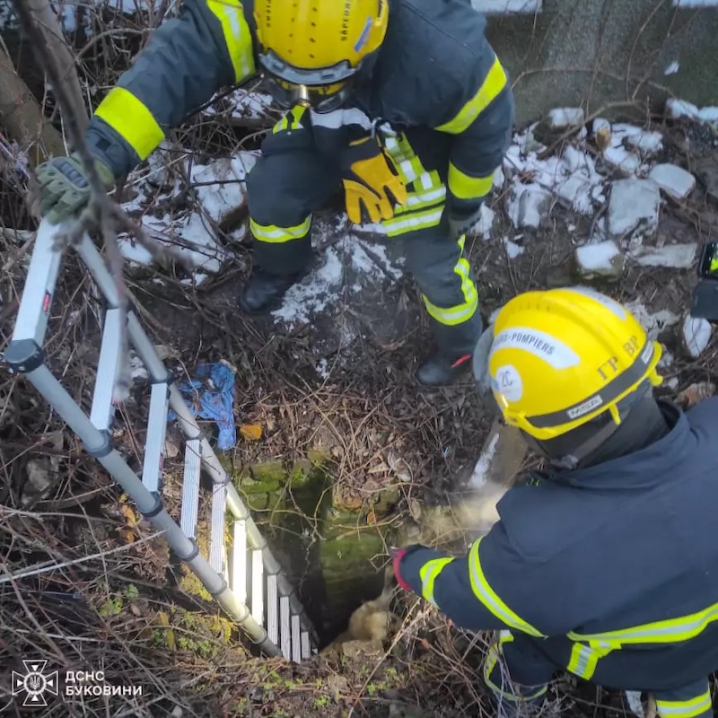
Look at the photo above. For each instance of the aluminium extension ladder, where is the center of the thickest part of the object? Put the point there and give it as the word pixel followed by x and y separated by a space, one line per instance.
pixel 273 602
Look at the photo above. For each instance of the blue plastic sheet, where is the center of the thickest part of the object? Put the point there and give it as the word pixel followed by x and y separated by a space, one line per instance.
pixel 213 401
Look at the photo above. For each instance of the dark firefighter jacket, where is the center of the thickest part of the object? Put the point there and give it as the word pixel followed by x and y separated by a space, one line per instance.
pixel 617 564
pixel 435 70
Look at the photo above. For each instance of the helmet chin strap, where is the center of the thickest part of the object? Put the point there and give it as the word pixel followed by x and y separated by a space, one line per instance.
pixel 571 460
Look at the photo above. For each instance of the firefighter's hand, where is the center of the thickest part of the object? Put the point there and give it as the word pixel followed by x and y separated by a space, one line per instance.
pixel 64 187
pixel 371 181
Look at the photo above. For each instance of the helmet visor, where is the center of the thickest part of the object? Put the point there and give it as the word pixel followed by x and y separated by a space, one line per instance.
pixel 274 65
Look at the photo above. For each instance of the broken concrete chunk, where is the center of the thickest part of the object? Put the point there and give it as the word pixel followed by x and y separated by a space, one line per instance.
pixel 647 143
pixel 633 207
pixel 563 117
pixel 674 256
pixel 655 323
pixel 673 180
pixel 599 260
pixel 680 108
pixel 696 335
pixel 529 205
pixel 575 193
pixel 621 159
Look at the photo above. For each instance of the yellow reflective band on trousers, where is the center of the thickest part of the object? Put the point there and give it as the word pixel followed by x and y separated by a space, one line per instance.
pixel 490 600
pixel 493 657
pixel 672 630
pixel 236 33
pixel 685 709
pixel 450 316
pixel 463 186
pixel 584 660
pixel 291 121
pixel 278 235
pixel 428 574
pixel 493 84
pixel 132 120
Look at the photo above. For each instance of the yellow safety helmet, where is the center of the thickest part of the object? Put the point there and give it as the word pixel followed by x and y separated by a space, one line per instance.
pixel 561 357
pixel 312 48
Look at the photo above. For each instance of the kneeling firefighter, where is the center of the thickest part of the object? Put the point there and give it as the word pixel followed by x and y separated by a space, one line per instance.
pixel 393 100
pixel 606 563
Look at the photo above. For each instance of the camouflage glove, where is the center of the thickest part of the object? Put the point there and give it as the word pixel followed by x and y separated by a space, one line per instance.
pixel 64 187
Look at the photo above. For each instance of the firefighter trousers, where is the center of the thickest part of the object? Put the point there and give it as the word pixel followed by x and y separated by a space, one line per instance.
pixel 285 187
pixel 518 671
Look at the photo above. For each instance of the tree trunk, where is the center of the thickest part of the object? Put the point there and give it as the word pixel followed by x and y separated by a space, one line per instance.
pixel 64 59
pixel 21 115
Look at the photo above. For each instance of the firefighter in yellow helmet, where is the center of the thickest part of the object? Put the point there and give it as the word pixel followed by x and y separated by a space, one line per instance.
pixel 401 103
pixel 604 564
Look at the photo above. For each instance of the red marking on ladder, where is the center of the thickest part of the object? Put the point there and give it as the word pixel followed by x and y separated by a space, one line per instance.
pixel 46 301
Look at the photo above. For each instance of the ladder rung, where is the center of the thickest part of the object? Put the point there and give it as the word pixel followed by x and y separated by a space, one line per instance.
pixel 306 645
pixel 36 300
pixel 155 444
pixel 239 561
pixel 285 626
pixel 296 639
pixel 272 608
pixel 102 407
pixel 216 547
pixel 258 586
pixel 190 488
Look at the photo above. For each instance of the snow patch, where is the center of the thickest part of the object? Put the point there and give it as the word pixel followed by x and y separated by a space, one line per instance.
pixel 313 293
pixel 563 117
pixel 653 322
pixel 483 465
pixel 696 335
pixel 513 250
pixel 672 68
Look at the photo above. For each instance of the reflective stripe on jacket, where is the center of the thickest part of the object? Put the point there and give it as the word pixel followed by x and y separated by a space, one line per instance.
pixel 621 557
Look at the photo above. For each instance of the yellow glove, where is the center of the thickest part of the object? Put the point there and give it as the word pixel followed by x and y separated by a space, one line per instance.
pixel 371 181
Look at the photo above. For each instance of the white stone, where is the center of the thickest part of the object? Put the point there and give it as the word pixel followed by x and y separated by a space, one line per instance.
pixel 653 322
pixel 708 114
pixel 575 193
pixel 647 143
pixel 674 256
pixel 673 180
pixel 633 207
pixel 603 259
pixel 696 335
pixel 622 159
pixel 680 108
pixel 563 117
pixel 529 205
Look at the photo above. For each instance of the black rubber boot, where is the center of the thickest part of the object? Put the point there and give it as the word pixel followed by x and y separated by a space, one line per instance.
pixel 439 370
pixel 264 292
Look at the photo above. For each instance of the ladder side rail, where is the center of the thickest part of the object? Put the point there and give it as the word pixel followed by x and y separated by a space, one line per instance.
pixel 213 467
pixel 150 505
pixel 36 300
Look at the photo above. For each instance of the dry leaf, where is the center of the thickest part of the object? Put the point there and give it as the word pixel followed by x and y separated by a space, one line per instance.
pixel 251 432
pixel 127 535
pixel 129 514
